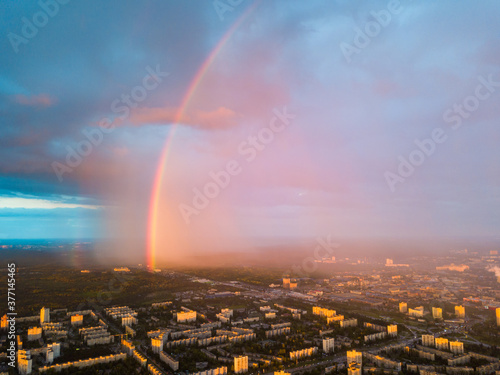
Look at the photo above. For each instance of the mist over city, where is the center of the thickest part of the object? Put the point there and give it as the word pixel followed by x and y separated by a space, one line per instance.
pixel 277 187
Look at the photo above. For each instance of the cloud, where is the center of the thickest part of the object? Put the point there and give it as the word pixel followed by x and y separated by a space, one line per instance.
pixel 219 118
pixel 353 120
pixel 40 100
pixel 36 203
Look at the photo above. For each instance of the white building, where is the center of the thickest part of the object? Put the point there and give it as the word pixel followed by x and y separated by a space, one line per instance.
pixel 223 318
pixel 34 333
pixel 403 307
pixel 44 315
pixel 170 361
pixel 328 345
pixel 55 348
pixel 392 330
pixel 349 323
pixel 140 358
pixel 417 312
pixel 214 371
pixel 270 315
pixel 121 269
pixel 460 312
pixel 157 344
pixel 354 369
pixel 317 310
pixel 354 357
pixel 128 321
pixel 24 362
pixel 241 364
pixel 49 356
pixel 303 353
pixel 286 283
pixel 76 320
pixel 456 347
pixel 128 347
pixel 227 312
pixel 186 316
pixel 441 343
pixel 428 340
pixel 437 313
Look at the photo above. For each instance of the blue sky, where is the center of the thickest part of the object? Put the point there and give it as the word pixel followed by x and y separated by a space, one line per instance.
pixel 334 170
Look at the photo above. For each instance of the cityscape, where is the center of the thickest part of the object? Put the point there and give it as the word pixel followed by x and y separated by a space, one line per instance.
pixel 424 316
pixel 258 187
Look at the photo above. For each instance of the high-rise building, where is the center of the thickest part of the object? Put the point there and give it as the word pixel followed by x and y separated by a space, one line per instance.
pixel 437 313
pixel 241 364
pixel 282 373
pixel 128 347
pixel 128 320
pixel 55 348
pixel 354 369
pixel 428 340
pixel 417 312
pixel 441 343
pixel 498 316
pixel 354 357
pixel 49 356
pixel 286 283
pixel 456 347
pixel 328 345
pixel 157 344
pixel 34 333
pixel 392 330
pixel 44 315
pixel 169 360
pixel 229 312
pixel 4 323
pixel 403 307
pixel 460 312
pixel 24 362
pixel 76 320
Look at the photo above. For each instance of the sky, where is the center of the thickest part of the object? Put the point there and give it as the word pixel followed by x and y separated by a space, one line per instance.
pixel 228 124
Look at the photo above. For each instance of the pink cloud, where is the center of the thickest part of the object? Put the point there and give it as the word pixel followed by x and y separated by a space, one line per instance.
pixel 40 100
pixel 217 119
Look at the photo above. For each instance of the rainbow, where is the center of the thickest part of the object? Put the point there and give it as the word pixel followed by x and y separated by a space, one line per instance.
pixel 154 203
